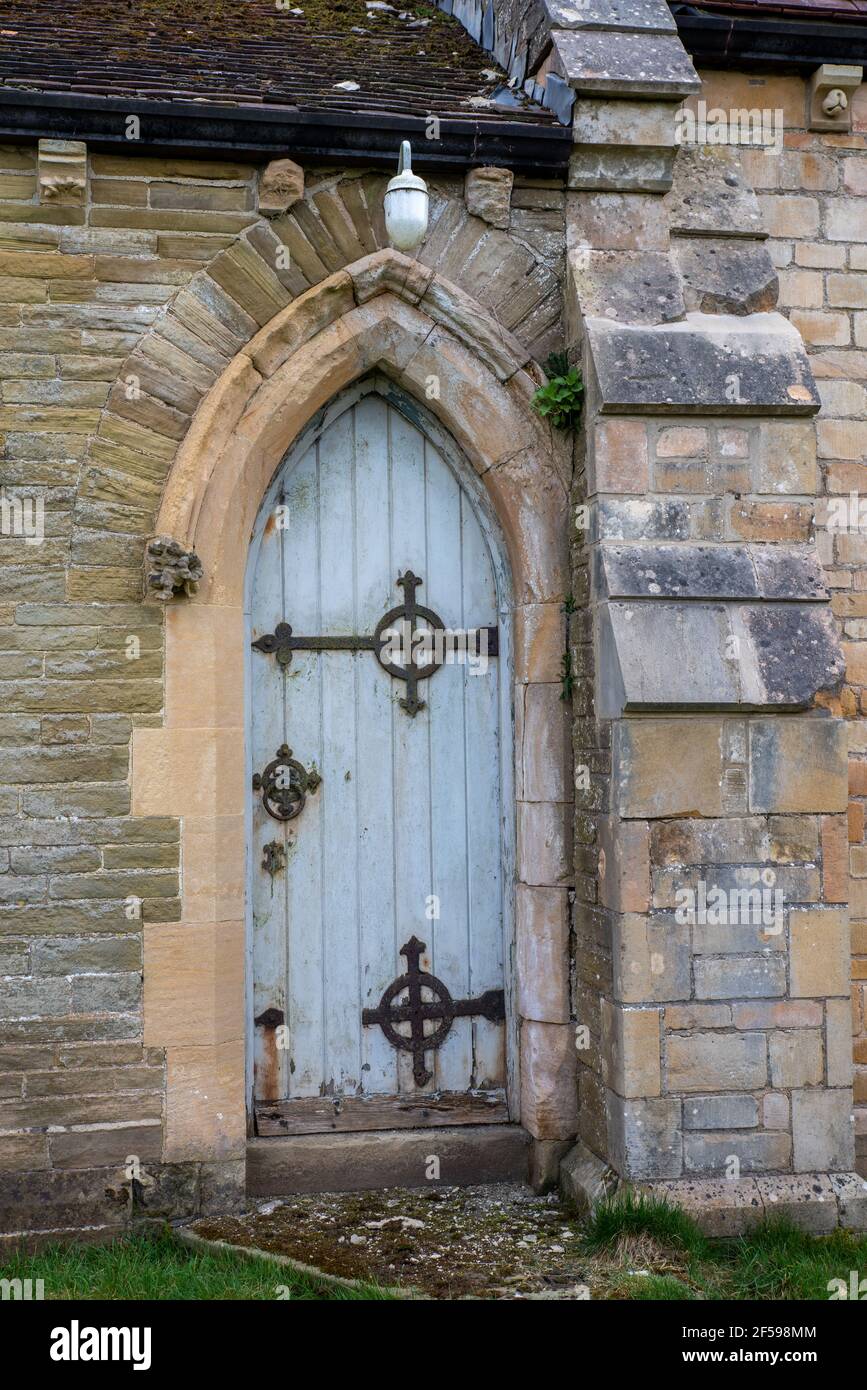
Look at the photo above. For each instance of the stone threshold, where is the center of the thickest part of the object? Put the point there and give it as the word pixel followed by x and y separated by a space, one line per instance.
pixel 448 1156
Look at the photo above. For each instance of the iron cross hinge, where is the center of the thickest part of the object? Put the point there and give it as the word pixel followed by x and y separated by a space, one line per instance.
pixel 282 642
pixel 416 1011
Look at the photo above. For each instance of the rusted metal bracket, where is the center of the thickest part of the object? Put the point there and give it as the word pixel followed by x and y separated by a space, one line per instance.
pixel 274 858
pixel 417 1011
pixel 404 620
pixel 271 1018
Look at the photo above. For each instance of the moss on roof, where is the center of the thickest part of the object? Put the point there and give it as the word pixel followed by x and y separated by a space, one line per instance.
pixel 404 58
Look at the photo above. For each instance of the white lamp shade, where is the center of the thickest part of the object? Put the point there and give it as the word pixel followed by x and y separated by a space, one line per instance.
pixel 406 204
pixel 406 215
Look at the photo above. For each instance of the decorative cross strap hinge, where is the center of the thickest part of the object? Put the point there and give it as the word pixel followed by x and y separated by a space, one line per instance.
pixel 397 634
pixel 416 1011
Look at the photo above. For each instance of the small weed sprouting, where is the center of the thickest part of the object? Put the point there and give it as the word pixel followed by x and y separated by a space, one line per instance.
pixel 562 400
pixel 566 676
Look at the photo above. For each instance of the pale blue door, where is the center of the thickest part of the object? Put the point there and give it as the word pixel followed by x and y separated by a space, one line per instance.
pixel 403 837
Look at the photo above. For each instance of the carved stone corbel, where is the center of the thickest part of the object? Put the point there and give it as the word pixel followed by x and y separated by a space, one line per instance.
pixel 170 571
pixel 62 172
pixel 829 97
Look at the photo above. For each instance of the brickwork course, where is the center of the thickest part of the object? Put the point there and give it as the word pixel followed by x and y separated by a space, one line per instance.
pixel 707 627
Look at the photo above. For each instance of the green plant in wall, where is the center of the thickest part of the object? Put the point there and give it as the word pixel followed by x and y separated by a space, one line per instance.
pixel 567 678
pixel 561 401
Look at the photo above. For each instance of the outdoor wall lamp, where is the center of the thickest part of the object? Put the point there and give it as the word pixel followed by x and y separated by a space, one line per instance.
pixel 406 204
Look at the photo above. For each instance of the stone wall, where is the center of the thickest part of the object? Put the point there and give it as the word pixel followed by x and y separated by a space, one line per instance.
pixel 127 285
pixel 715 1045
pixel 813 197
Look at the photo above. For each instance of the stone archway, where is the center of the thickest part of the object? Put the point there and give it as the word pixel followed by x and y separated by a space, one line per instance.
pixel 388 313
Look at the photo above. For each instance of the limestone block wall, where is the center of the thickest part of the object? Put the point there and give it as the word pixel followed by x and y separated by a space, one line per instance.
pixel 714 1042
pixel 122 299
pixel 813 197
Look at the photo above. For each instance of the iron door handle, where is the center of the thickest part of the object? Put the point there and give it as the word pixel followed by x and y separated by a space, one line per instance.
pixel 285 784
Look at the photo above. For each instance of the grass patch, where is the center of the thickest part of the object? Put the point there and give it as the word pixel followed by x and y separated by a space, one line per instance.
pixel 656 1251
pixel 157 1266
pixel 636 1213
pixel 779 1261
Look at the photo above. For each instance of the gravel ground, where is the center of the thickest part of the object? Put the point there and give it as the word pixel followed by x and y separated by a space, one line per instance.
pixel 497 1241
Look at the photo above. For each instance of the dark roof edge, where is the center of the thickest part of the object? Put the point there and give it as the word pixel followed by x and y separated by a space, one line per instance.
pixel 727 40
pixel 198 129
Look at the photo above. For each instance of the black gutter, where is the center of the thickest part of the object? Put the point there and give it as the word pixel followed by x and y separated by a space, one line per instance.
pixel 197 129
pixel 780 42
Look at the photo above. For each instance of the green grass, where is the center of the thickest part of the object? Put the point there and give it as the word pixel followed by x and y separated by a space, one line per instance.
pixel 776 1261
pixel 625 1235
pixel 157 1266
pixel 636 1214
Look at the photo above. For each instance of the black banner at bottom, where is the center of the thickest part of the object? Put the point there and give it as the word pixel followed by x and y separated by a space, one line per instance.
pixel 198 1339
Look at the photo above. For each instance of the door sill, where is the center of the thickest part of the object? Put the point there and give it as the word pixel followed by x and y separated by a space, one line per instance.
pixel 464 1156
pixel 355 1114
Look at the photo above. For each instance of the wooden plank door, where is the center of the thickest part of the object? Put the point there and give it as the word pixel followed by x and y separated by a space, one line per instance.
pixel 402 837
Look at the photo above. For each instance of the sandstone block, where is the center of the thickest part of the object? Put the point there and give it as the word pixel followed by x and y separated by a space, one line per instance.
pixel 740 976
pixel 798 764
pixel 689 365
pixel 787 457
pixel 542 967
pixel 822 1131
pixel 544 842
pixel 549 1091
pixel 488 194
pixel 281 186
pixel 651 959
pixel 205 1103
pixel 630 1050
pixel 721 1207
pixel 688 1017
pixel 808 1202
pixel 796 1059
pixel 775 1111
pixel 624 865
pixel 851 1194
pixel 727 277
pixel 786 1013
pixel 756 1153
pixel 838 1045
pixel 666 767
pixel 62 172
pixel 716 1062
pixel 819 952
pixel 720 1112
pixel 613 64
pixel 644 1137
pixel 620 458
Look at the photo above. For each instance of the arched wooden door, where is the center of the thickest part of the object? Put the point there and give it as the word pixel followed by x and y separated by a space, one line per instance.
pixel 378 811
